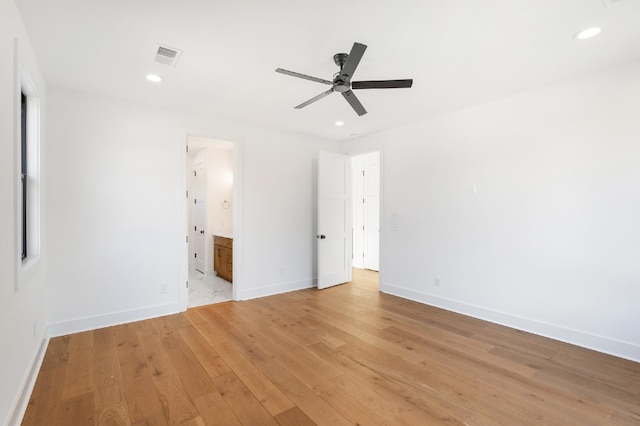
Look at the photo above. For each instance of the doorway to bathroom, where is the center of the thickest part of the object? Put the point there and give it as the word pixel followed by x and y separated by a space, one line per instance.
pixel 210 215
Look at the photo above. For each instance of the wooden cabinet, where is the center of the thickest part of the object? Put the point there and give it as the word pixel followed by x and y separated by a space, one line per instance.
pixel 223 257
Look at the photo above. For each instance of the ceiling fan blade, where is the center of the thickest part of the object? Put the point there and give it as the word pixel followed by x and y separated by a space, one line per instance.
pixel 382 84
pixel 316 98
pixel 303 76
pixel 354 102
pixel 353 60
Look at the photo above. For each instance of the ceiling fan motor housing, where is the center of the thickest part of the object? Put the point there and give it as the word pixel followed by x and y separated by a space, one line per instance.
pixel 340 85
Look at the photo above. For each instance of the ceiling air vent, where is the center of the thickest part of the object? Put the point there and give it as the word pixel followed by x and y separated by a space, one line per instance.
pixel 168 55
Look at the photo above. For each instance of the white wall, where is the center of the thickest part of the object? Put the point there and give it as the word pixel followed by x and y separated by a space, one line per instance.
pixel 280 223
pixel 550 242
pixel 22 312
pixel 117 174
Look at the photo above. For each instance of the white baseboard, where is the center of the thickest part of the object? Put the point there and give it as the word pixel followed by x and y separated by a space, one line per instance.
pixel 20 406
pixel 606 345
pixel 270 290
pixel 115 318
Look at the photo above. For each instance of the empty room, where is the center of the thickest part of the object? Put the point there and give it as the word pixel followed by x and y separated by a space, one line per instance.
pixel 303 213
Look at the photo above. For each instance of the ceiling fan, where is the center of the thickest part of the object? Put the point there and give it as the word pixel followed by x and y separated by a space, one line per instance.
pixel 342 80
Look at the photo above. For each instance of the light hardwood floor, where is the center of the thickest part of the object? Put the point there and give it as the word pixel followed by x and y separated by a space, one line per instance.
pixel 345 355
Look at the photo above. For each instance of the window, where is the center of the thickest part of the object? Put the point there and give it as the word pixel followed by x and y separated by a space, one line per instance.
pixel 27 180
pixel 24 176
pixel 26 170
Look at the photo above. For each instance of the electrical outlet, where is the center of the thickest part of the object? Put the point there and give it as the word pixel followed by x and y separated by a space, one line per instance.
pixel 436 282
pixel 282 272
pixel 164 289
pixel 470 190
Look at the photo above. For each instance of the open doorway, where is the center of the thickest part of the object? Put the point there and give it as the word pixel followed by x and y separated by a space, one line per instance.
pixel 365 183
pixel 210 219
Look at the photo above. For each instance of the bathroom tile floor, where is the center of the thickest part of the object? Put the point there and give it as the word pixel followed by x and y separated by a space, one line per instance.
pixel 206 289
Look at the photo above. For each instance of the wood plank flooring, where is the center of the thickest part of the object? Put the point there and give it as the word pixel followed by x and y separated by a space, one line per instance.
pixel 347 355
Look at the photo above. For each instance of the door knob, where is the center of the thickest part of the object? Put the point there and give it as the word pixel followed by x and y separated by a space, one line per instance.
pixel 321 237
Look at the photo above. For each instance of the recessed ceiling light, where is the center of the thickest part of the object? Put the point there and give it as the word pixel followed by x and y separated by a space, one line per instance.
pixel 339 123
pixel 154 78
pixel 588 33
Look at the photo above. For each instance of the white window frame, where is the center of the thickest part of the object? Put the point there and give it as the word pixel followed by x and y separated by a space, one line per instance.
pixel 27 267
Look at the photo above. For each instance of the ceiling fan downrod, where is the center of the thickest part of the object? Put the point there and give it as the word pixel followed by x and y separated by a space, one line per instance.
pixel 340 84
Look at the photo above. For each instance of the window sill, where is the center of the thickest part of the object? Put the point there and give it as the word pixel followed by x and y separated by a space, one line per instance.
pixel 27 269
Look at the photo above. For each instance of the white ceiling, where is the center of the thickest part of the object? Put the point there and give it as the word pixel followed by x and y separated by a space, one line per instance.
pixel 459 53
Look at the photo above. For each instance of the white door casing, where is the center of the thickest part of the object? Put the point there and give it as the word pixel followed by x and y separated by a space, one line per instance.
pixel 334 219
pixel 372 216
pixel 357 221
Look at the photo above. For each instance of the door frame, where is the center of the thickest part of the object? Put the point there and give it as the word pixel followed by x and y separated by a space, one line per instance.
pixel 183 212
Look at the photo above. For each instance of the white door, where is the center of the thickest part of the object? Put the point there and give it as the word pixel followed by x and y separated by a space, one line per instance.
pixel 334 220
pixel 371 216
pixel 199 215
